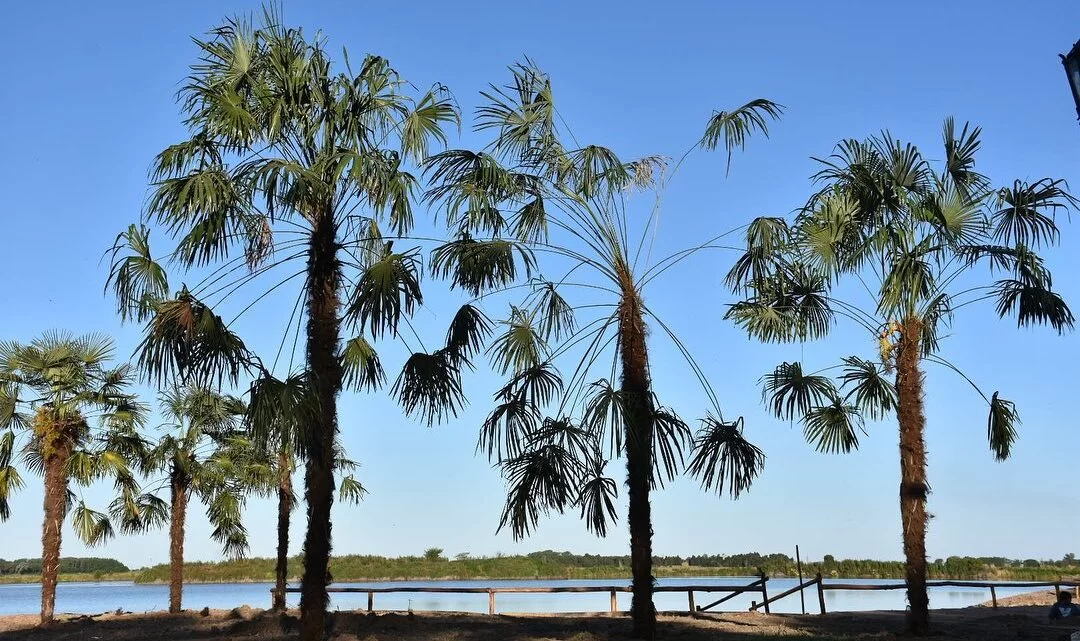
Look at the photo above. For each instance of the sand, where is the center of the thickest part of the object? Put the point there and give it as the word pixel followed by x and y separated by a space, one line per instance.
pixel 969 624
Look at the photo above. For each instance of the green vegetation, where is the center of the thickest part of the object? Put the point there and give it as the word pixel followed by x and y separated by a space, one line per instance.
pixel 68 565
pixel 564 565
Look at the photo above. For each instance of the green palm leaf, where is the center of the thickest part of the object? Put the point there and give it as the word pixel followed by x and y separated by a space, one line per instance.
pixel 791 393
pixel 429 387
pixel 1001 426
pixel 361 368
pixel 731 129
pixel 388 291
pixel 833 427
pixel 723 459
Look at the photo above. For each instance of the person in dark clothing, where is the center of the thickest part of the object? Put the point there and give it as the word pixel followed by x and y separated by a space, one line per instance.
pixel 1064 608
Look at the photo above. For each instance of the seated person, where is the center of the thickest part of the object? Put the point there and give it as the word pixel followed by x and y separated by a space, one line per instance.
pixel 1064 608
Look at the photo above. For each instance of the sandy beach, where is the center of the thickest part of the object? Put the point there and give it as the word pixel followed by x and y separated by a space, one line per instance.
pixel 1024 620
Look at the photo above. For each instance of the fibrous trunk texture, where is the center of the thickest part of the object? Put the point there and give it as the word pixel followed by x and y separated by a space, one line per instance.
pixel 323 337
pixel 913 486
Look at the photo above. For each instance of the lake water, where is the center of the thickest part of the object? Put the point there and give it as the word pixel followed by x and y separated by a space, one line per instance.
pixel 92 598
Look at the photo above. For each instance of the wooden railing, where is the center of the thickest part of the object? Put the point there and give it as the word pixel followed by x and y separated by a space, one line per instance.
pixel 759 585
pixel 823 585
pixel 612 590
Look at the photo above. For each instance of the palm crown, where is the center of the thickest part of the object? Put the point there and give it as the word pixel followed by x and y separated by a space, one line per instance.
pixel 60 400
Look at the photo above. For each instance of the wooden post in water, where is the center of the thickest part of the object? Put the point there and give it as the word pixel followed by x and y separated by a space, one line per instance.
pixel 764 592
pixel 690 600
pixel 993 597
pixel 802 594
pixel 491 601
pixel 370 601
pixel 820 593
pixel 614 602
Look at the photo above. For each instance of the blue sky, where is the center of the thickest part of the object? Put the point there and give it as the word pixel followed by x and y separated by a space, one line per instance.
pixel 90 99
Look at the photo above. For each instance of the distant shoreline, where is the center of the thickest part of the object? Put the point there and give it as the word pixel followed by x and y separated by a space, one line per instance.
pixel 670 573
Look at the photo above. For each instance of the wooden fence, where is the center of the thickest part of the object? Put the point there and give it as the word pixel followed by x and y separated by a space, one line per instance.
pixel 823 585
pixel 612 590
pixel 757 586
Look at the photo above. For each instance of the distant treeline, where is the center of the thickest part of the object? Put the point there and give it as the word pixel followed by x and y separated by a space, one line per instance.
pixel 560 565
pixel 68 565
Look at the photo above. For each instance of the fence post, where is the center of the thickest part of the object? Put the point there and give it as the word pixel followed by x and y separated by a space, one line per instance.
pixel 273 593
pixel 765 593
pixel 993 597
pixel 690 600
pixel 614 601
pixel 491 601
pixel 370 601
pixel 820 593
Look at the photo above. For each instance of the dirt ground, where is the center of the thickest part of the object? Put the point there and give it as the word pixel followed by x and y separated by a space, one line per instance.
pixel 969 624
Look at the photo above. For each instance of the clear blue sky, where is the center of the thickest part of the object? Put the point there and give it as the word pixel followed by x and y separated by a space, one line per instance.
pixel 89 100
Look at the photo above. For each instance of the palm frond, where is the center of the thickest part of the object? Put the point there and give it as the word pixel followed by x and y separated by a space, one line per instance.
pixel 791 394
pixel 429 387
pixel 671 437
pixel 871 391
pixel 388 290
pixel 731 129
pixel 541 480
pixel 224 513
pixel 723 459
pixel 350 490
pixel 833 427
pixel 467 333
pixel 91 526
pixel 596 498
pixel 361 368
pixel 960 153
pixel 185 339
pixel 1026 213
pixel 138 281
pixel 520 347
pixel 1001 426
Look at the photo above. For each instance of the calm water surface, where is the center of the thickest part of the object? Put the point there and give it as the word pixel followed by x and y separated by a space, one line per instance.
pixel 92 598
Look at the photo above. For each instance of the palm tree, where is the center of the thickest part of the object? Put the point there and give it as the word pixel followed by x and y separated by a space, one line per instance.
pixel 529 203
pixel 70 418
pixel 204 455
pixel 907 234
pixel 279 412
pixel 293 163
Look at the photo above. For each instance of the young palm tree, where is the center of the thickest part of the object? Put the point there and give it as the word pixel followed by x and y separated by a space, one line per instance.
pixel 70 418
pixel 279 412
pixel 293 163
pixel 529 203
pixel 906 234
pixel 204 455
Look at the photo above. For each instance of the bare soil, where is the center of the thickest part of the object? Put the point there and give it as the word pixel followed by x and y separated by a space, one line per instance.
pixel 969 624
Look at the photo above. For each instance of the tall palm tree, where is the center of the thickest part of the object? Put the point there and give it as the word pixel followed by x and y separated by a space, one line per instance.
pixel 202 454
pixel 69 417
pixel 295 167
pixel 530 203
pixel 907 234
pixel 279 413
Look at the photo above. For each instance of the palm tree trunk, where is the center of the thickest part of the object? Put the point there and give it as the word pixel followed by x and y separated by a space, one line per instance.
pixel 913 486
pixel 324 328
pixel 281 569
pixel 638 421
pixel 55 507
pixel 177 517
